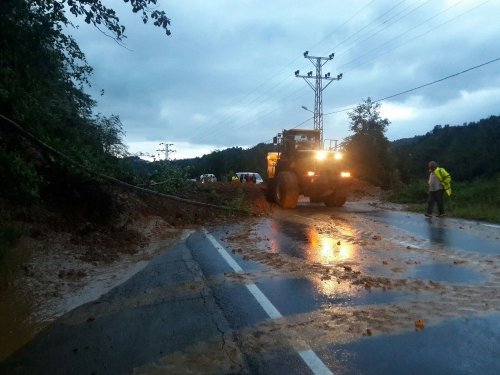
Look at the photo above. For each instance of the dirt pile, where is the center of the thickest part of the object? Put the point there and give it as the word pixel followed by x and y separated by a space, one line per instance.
pixel 110 221
pixel 362 190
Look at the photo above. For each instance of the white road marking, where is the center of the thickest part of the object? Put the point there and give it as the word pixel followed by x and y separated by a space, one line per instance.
pixel 264 302
pixel 314 363
pixel 491 225
pixel 228 258
pixel 310 358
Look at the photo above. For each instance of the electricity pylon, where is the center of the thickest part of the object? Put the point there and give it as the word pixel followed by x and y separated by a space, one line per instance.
pixel 166 149
pixel 318 88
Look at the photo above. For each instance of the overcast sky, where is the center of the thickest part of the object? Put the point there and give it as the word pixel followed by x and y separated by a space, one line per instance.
pixel 225 77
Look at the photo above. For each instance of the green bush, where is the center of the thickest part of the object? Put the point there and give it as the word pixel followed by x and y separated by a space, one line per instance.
pixel 479 200
pixel 20 179
pixel 412 193
pixel 238 202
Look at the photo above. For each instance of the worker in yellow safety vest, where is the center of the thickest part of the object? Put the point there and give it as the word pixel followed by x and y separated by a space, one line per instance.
pixel 439 183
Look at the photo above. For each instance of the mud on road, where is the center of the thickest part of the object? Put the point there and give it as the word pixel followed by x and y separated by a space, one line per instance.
pixel 349 254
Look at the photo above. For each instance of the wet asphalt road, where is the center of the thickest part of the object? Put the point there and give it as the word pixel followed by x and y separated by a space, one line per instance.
pixel 207 306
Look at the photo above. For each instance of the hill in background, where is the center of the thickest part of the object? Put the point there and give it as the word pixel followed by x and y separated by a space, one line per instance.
pixel 468 151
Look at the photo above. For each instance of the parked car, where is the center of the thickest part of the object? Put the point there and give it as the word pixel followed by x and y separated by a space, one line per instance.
pixel 208 177
pixel 243 177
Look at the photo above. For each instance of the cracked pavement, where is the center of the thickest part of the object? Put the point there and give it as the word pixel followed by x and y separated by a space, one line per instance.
pixel 162 320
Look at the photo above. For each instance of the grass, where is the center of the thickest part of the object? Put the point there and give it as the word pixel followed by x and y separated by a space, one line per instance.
pixel 474 200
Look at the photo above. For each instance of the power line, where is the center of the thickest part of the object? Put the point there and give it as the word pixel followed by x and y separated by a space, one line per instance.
pixel 439 80
pixel 363 28
pixel 392 18
pixel 387 24
pixel 242 124
pixel 415 37
pixel 400 93
pixel 59 155
pixel 341 25
pixel 263 95
pixel 421 86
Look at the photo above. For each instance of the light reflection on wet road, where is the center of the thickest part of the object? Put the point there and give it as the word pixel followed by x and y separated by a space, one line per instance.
pixel 296 240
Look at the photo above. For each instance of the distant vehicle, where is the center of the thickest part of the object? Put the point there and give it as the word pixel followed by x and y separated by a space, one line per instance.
pixel 208 177
pixel 242 177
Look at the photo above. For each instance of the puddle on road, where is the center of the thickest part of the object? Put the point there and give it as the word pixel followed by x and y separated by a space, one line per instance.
pixel 465 346
pixel 311 295
pixel 338 243
pixel 304 242
pixel 448 273
pixel 440 231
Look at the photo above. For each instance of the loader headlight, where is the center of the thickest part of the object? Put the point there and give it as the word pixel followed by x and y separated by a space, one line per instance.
pixel 321 155
pixel 338 156
pixel 345 174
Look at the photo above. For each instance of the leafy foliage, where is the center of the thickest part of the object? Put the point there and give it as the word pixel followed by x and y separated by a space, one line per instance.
pixel 367 148
pixel 42 76
pixel 15 169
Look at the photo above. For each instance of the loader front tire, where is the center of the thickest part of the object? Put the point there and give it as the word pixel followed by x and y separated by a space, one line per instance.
pixel 286 190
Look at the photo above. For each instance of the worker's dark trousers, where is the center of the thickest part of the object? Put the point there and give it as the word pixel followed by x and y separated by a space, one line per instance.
pixel 437 197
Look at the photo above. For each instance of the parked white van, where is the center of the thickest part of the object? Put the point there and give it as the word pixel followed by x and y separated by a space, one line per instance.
pixel 208 177
pixel 243 177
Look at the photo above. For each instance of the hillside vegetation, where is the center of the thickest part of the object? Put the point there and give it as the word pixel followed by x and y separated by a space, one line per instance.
pixel 470 152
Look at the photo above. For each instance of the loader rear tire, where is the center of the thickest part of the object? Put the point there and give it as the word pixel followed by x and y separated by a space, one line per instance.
pixel 336 199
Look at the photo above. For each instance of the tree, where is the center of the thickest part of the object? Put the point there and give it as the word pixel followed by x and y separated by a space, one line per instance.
pixel 35 47
pixel 367 148
pixel 42 76
pixel 42 69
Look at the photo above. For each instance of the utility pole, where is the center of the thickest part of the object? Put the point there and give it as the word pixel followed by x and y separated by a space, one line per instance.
pixel 318 88
pixel 166 149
